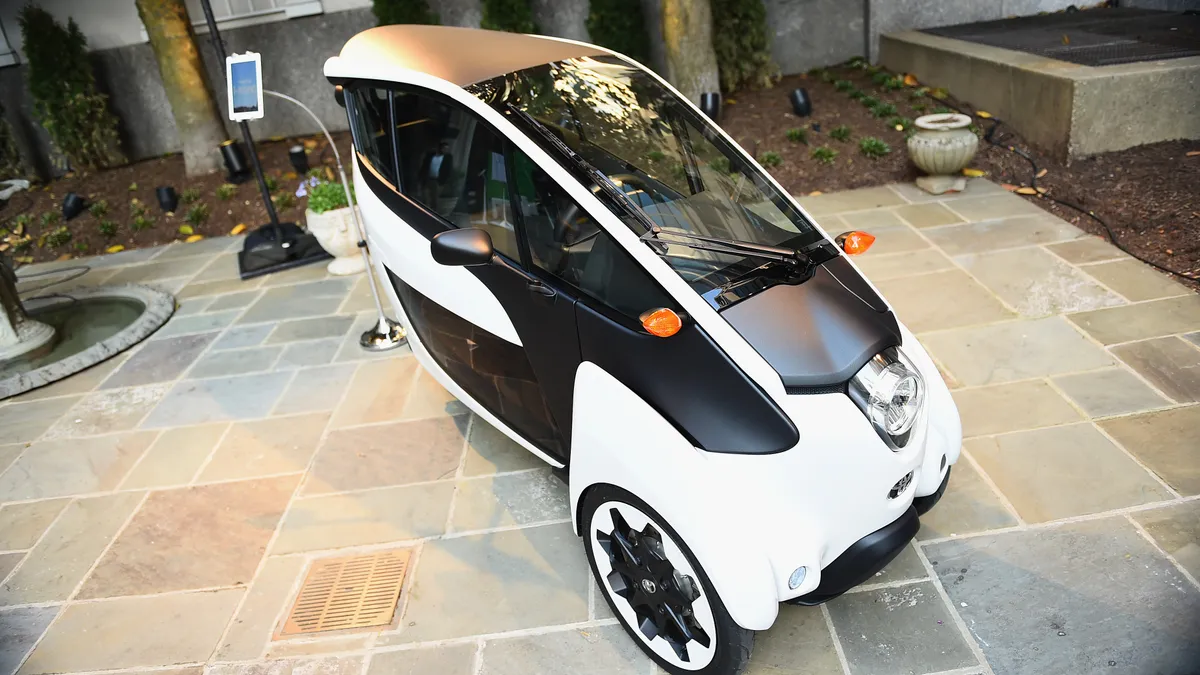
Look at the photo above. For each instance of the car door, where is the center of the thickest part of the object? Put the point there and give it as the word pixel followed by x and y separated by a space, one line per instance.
pixel 429 164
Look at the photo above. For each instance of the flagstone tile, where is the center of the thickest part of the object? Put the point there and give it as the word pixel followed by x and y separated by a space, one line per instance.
pixel 205 247
pixel 513 499
pixel 191 538
pixel 303 275
pixel 993 235
pixel 969 505
pixel 1114 391
pixel 388 454
pixel 315 389
pixel 976 187
pixel 526 578
pixel 80 383
pixel 349 643
pixel 798 642
pixel 352 351
pixel 1170 364
pixel 1001 408
pixel 273 307
pixel 1036 283
pixel 21 525
pixel 1165 441
pixel 1136 280
pixel 9 454
pixel 159 361
pixel 427 398
pixel 242 336
pixel 1155 318
pixel 880 267
pixel 155 271
pixel 490 451
pixel 1176 529
pixel 310 329
pixel 369 517
pixel 117 633
pixel 175 457
pixel 941 300
pixel 1085 597
pixel 904 567
pixel 197 323
pixel 234 362
pixel 328 665
pixel 377 393
pixel 219 399
pixel 899 238
pixel 9 562
pixel 67 551
pixel 233 300
pixel 1039 472
pixel 876 219
pixel 448 660
pixel 107 411
pixel 19 631
pixel 1014 350
pixel 899 630
pixel 73 466
pixel 360 299
pixel 198 287
pixel 600 650
pixel 931 214
pixel 24 422
pixel 994 206
pixel 851 200
pixel 265 447
pixel 1087 250
pixel 193 306
pixel 310 353
pixel 255 621
pixel 223 268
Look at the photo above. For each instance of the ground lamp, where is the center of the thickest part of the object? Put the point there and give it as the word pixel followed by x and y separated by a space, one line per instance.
pixel 73 205
pixel 168 199
pixel 298 158
pixel 710 105
pixel 801 103
pixel 235 162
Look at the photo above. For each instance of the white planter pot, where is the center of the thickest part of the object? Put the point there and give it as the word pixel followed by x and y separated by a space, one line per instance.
pixel 336 233
pixel 943 146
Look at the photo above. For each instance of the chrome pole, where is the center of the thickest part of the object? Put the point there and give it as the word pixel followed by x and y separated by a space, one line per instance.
pixel 387 334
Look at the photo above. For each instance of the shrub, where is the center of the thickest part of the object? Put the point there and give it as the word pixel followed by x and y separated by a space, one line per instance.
pixel 197 215
pixel 189 195
pixel 57 237
pixel 618 25
pixel 824 154
pixel 403 11
pixel 857 62
pixel 514 16
pixel 225 191
pixel 900 123
pixel 797 135
pixel 63 88
pixel 272 183
pixel 880 77
pixel 827 76
pixel 770 158
pixel 327 196
pixel 918 93
pixel 869 102
pixel 107 228
pixel 843 85
pixel 141 222
pixel 883 110
pixel 11 165
pixel 840 133
pixel 98 209
pixel 49 218
pixel 873 147
pixel 893 83
pixel 857 94
pixel 284 201
pixel 742 44
pixel 918 107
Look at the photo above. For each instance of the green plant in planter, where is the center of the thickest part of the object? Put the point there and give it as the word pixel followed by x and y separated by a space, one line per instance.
pixel 98 208
pixel 327 196
pixel 883 110
pixel 225 191
pixel 139 219
pixel 918 93
pixel 880 77
pixel 189 195
pixel 900 123
pixel 797 135
pixel 893 83
pixel 843 85
pixel 284 201
pixel 57 237
pixel 918 107
pixel 49 218
pixel 272 183
pixel 107 228
pixel 873 147
pixel 389 12
pixel 770 158
pixel 824 154
pixel 857 94
pixel 197 215
pixel 840 133
pixel 827 76
pixel 514 16
pixel 869 102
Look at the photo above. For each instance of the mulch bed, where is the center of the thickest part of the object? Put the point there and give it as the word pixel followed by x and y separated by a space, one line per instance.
pixel 1149 195
pixel 119 187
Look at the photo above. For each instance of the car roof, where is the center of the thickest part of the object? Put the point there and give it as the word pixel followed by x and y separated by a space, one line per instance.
pixel 461 56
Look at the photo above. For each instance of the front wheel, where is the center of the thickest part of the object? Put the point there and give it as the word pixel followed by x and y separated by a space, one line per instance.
pixel 657 589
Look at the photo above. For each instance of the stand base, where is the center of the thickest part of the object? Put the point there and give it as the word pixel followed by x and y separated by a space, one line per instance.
pixel 387 334
pixel 262 254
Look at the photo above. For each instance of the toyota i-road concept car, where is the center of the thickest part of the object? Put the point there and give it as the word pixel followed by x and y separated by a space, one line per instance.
pixel 597 270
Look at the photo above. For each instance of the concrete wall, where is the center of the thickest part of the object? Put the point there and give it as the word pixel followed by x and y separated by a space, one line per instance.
pixel 889 16
pixel 812 33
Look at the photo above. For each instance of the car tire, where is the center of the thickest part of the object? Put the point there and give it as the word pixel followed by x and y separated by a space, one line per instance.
pixel 650 597
pixel 924 504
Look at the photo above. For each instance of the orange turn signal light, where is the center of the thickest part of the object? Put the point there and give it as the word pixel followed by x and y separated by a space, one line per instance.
pixel 855 242
pixel 661 322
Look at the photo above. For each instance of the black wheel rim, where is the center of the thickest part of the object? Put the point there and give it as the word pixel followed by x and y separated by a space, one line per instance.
pixel 661 597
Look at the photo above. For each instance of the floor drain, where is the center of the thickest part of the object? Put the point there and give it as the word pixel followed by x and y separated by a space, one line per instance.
pixel 347 593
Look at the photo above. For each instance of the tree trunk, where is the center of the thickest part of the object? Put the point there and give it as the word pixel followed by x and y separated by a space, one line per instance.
pixel 652 15
pixel 687 35
pixel 562 18
pixel 464 13
pixel 196 115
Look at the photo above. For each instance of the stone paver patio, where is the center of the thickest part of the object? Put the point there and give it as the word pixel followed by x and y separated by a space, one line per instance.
pixel 160 510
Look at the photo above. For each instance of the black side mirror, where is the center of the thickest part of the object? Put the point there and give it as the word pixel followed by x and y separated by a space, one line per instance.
pixel 462 247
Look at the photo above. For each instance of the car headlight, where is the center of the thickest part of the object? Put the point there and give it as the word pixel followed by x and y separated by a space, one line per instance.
pixel 889 391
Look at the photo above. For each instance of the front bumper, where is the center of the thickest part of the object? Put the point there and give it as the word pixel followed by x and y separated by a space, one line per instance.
pixel 863 559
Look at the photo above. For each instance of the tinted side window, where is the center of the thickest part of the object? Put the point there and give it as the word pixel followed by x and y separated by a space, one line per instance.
pixel 371 123
pixel 453 164
pixel 566 242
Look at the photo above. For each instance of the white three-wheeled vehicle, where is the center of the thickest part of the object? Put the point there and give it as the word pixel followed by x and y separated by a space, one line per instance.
pixel 601 273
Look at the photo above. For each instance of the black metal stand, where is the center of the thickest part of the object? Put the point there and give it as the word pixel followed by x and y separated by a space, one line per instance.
pixel 276 246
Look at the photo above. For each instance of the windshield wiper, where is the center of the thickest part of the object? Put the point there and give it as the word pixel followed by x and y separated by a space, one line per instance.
pixel 788 256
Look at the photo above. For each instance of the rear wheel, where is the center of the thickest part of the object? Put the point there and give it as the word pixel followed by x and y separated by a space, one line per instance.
pixel 657 589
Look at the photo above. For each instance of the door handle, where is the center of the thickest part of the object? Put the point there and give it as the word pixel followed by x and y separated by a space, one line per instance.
pixel 541 289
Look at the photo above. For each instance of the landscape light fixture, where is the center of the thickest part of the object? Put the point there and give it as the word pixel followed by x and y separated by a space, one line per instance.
pixel 710 105
pixel 72 205
pixel 168 199
pixel 801 103
pixel 299 159
pixel 235 162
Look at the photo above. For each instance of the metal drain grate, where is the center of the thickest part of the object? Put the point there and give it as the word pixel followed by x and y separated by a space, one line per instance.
pixel 347 593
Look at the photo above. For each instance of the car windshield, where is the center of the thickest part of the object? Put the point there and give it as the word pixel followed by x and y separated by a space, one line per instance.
pixel 669 162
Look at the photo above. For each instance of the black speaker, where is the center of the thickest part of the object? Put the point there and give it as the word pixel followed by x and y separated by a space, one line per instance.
pixel 801 103
pixel 710 105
